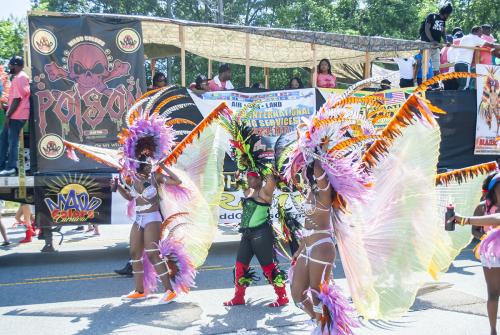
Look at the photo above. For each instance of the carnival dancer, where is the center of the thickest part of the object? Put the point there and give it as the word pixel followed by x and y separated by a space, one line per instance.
pixel 162 177
pixel 145 232
pixel 257 233
pixel 354 197
pixel 489 247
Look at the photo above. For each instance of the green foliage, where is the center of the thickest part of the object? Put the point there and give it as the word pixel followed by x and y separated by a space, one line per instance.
pixel 11 39
pixel 388 18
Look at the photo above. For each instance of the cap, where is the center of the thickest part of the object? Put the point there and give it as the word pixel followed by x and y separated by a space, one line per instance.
pixel 16 61
pixel 385 81
pixel 486 25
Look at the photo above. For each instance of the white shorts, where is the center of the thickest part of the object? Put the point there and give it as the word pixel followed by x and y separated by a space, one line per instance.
pixel 145 218
pixel 494 263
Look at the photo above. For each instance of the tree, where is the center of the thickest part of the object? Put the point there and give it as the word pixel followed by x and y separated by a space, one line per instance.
pixel 12 33
pixel 388 18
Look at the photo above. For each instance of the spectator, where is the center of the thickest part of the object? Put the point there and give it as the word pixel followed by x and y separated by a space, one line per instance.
pixel 385 84
pixel 28 220
pixel 406 70
pixel 15 118
pixel 3 231
pixel 200 84
pixel 417 74
pixel 457 33
pixel 443 61
pixel 448 53
pixel 5 83
pixel 222 81
pixel 295 83
pixel 496 57
pixel 485 57
pixel 159 81
pixel 433 29
pixel 464 56
pixel 325 77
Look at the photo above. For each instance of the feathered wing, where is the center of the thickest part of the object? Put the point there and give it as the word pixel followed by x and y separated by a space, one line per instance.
pixel 462 188
pixel 386 244
pixel 200 169
pixel 109 157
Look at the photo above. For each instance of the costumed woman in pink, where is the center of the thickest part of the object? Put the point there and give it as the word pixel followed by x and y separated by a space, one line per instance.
pixel 325 77
pixel 145 142
pixel 328 182
pixel 162 174
pixel 489 248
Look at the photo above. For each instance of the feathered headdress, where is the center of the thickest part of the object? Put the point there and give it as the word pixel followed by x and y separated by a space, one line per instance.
pixel 148 137
pixel 345 142
pixel 244 143
pixel 336 136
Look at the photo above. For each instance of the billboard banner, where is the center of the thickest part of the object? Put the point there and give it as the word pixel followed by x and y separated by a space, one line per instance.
pixel 488 110
pixel 86 72
pixel 73 199
pixel 274 113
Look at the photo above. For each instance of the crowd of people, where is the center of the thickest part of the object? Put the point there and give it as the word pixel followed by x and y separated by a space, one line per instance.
pixel 222 81
pixel 461 52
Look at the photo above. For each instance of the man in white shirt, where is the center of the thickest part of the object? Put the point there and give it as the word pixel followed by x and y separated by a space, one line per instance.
pixel 464 56
pixel 406 68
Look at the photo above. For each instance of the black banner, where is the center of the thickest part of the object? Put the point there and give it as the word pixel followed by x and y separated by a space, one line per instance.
pixel 87 72
pixel 458 129
pixel 72 199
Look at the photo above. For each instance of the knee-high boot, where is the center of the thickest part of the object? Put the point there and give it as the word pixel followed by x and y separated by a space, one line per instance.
pixel 276 278
pixel 240 285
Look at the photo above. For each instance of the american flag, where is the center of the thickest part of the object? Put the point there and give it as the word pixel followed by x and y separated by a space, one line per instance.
pixel 393 98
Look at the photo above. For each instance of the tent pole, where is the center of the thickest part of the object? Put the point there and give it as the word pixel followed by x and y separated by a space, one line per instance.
pixel 247 60
pixel 183 55
pixel 367 65
pixel 266 78
pixel 425 64
pixel 153 68
pixel 209 72
pixel 314 73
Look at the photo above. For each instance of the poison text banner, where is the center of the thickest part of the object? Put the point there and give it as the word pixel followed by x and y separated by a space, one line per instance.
pixel 87 72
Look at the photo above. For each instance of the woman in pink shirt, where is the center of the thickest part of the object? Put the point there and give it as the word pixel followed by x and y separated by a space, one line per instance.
pixel 325 77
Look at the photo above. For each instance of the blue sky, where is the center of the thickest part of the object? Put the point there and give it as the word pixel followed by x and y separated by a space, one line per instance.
pixel 17 8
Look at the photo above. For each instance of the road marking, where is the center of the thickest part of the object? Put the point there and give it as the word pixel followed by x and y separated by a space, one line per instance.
pixel 70 276
pixel 91 276
pixel 108 275
pixel 57 280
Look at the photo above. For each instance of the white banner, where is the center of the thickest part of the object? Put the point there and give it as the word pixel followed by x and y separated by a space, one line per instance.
pixel 276 113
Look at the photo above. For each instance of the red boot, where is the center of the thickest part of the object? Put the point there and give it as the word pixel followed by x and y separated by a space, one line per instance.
pixel 27 238
pixel 32 227
pixel 276 278
pixel 239 289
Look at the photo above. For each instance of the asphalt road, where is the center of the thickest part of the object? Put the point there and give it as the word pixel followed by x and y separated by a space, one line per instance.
pixel 74 291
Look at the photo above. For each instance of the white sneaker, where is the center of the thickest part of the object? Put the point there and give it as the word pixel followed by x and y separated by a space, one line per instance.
pixel 8 172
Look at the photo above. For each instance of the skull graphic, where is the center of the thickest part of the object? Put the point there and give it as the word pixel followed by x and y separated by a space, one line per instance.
pixel 88 68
